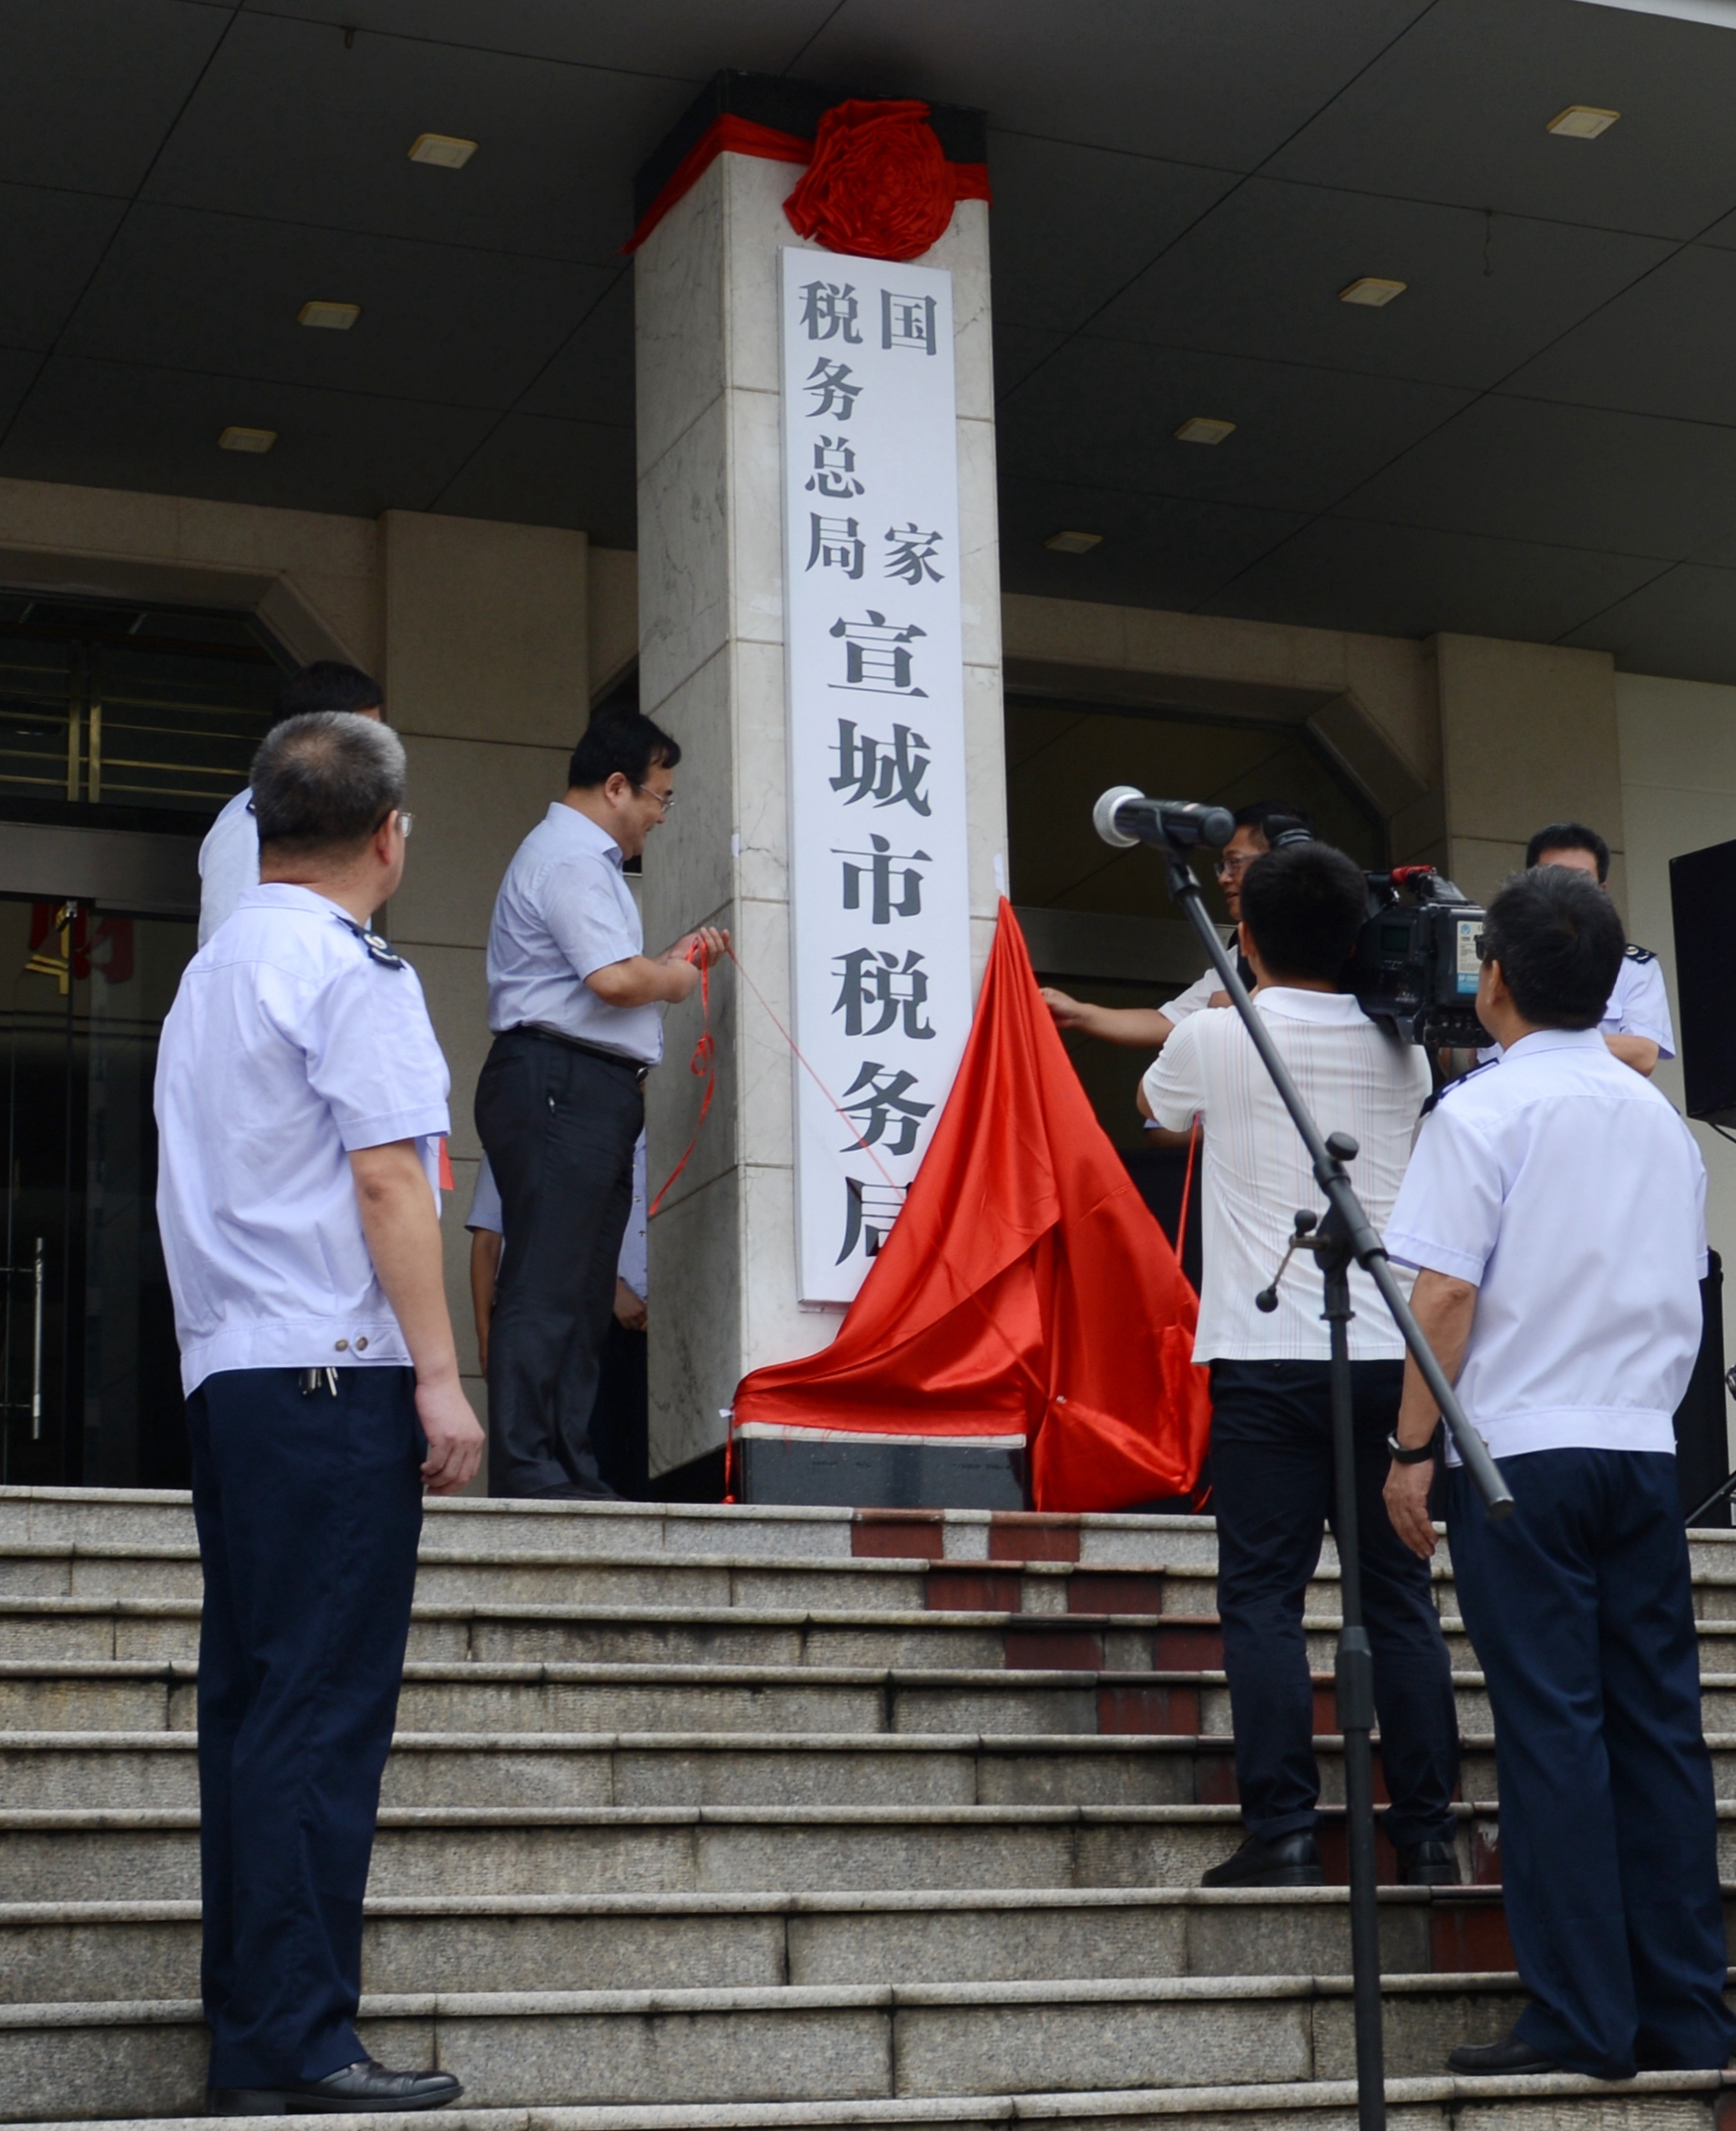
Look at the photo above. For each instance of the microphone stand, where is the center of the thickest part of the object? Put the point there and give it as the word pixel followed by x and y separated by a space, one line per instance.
pixel 1344 1238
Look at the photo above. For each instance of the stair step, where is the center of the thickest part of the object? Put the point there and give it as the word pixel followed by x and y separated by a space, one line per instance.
pixel 798 2042
pixel 1656 2101
pixel 57 1953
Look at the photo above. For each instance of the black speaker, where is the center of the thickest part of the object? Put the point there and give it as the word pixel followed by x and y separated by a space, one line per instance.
pixel 1702 1430
pixel 1702 902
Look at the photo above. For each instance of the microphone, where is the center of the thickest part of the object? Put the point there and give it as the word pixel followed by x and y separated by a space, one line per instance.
pixel 1124 817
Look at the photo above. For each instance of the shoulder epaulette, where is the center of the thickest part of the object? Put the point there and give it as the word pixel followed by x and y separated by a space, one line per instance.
pixel 379 950
pixel 1442 1093
pixel 1638 953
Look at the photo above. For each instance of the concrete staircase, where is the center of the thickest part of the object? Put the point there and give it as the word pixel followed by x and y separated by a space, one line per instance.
pixel 738 1817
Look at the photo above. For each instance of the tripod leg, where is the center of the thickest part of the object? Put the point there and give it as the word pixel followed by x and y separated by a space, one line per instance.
pixel 1355 1683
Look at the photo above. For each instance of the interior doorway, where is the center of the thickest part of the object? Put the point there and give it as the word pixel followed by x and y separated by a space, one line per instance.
pixel 123 728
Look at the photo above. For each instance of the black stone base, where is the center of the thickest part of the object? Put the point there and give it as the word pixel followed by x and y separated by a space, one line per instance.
pixel 818 1469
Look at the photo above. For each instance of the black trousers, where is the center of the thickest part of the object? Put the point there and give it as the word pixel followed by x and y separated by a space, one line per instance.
pixel 1273 1493
pixel 1582 1614
pixel 309 1509
pixel 559 1125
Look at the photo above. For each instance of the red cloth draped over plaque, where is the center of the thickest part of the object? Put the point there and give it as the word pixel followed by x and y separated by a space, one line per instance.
pixel 1025 1287
pixel 736 136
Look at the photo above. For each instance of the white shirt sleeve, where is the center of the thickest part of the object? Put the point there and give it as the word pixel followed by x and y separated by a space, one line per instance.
pixel 1197 995
pixel 583 914
pixel 1644 1005
pixel 1174 1084
pixel 228 863
pixel 631 1263
pixel 1447 1216
pixel 374 1059
pixel 485 1201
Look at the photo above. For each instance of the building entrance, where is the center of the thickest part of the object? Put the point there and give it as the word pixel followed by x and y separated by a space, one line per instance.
pixel 123 727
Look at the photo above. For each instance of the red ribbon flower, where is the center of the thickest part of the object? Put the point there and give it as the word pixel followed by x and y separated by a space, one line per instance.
pixel 878 185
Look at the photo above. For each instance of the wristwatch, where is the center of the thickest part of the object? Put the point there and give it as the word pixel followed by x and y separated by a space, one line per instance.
pixel 1401 1456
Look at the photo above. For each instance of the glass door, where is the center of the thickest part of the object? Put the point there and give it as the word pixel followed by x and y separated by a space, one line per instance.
pixel 89 1379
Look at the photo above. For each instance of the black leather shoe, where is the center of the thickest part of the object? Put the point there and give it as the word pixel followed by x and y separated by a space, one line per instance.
pixel 355 2090
pixel 1492 2059
pixel 1428 1864
pixel 1292 1861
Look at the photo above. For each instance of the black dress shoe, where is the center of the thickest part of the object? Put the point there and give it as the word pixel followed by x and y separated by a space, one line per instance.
pixel 1492 2059
pixel 1428 1864
pixel 358 2089
pixel 1291 1861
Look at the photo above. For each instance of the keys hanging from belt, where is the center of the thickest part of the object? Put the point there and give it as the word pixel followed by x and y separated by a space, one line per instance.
pixel 312 1379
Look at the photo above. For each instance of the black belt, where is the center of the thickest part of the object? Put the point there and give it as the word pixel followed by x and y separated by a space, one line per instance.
pixel 553 1035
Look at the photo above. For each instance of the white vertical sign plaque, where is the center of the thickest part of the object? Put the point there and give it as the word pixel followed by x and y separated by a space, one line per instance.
pixel 879 902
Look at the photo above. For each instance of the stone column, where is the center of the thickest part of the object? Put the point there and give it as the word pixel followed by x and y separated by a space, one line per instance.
pixel 722 1265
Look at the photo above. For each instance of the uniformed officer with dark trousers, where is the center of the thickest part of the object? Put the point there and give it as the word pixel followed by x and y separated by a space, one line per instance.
pixel 301 1102
pixel 576 1007
pixel 1556 1207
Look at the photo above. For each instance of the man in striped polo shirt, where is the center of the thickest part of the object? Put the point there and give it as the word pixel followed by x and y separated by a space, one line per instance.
pixel 1271 1458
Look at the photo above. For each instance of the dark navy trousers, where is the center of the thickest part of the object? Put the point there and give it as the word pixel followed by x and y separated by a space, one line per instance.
pixel 1581 1612
pixel 1272 1492
pixel 309 1508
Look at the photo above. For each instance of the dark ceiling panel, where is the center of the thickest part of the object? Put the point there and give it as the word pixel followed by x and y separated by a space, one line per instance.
pixel 1018 351
pixel 89 90
pixel 1570 477
pixel 691 38
pixel 531 471
pixel 1663 347
pixel 1106 413
pixel 1458 109
pixel 1220 82
pixel 1683 625
pixel 1261 276
pixel 19 367
pixel 115 425
pixel 1071 225
pixel 221 293
pixel 590 379
pixel 291 122
pixel 1403 581
pixel 49 245
pixel 1156 551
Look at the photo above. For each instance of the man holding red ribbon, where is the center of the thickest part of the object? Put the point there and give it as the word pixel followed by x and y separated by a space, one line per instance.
pixel 576 1005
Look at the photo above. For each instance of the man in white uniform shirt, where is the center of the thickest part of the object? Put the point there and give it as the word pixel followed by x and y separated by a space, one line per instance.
pixel 576 1005
pixel 1271 1451
pixel 1556 1207
pixel 301 1101
pixel 228 856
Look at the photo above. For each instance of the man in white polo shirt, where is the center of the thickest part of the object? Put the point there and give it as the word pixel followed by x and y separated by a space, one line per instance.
pixel 1555 1208
pixel 1271 1458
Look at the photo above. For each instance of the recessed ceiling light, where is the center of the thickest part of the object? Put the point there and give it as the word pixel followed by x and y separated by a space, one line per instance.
pixel 1203 430
pixel 445 150
pixel 1720 12
pixel 1582 122
pixel 1073 543
pixel 334 317
pixel 1372 292
pixel 236 438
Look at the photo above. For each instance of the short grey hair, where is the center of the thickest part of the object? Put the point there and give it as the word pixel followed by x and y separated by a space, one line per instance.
pixel 326 780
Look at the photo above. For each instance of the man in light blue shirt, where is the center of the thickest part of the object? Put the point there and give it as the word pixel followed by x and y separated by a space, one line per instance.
pixel 576 1007
pixel 301 1100
pixel 1555 1208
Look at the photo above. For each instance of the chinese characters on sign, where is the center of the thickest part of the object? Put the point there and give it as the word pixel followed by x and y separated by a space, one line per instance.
pixel 878 896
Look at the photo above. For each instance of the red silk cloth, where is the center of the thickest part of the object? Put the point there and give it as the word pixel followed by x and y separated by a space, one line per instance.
pixel 861 155
pixel 1025 1288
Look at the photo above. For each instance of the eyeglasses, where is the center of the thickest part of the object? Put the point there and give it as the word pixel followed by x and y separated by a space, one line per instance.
pixel 666 800
pixel 407 822
pixel 1232 863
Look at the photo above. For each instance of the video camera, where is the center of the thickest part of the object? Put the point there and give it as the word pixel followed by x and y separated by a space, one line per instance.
pixel 1416 962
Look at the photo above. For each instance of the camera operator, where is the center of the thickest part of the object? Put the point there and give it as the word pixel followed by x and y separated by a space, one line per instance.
pixel 1555 1207
pixel 1302 908
pixel 1148 1028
